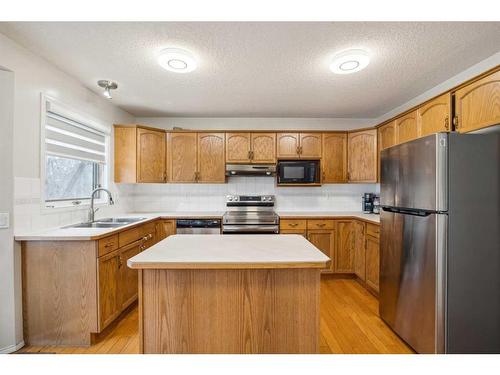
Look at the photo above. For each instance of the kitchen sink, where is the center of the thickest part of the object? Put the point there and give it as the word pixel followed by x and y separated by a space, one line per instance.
pixel 109 222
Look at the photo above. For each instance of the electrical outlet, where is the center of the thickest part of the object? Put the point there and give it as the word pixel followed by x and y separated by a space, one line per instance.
pixel 4 220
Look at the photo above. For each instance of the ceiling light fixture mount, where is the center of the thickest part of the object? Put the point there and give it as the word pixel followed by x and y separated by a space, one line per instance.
pixel 350 61
pixel 177 60
pixel 107 86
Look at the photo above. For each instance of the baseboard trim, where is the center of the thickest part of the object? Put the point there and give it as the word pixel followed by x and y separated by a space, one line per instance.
pixel 12 348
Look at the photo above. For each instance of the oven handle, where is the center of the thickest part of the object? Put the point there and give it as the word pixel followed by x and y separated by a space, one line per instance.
pixel 250 228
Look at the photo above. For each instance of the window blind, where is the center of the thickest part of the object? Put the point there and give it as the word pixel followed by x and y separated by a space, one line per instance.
pixel 72 139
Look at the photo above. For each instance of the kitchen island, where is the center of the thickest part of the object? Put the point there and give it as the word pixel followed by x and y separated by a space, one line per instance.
pixel 229 294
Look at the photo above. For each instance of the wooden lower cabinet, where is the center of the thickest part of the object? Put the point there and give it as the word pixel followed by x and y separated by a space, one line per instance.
pixel 109 278
pixel 301 232
pixel 344 252
pixel 359 250
pixel 323 239
pixel 128 277
pixel 372 262
pixel 164 228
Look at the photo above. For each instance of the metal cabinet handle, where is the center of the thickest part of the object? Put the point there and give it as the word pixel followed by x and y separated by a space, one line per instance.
pixel 455 122
pixel 446 123
pixel 120 262
pixel 249 154
pixel 321 225
pixel 109 244
pixel 293 225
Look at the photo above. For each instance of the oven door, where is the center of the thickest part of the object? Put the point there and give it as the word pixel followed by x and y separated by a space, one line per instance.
pixel 298 172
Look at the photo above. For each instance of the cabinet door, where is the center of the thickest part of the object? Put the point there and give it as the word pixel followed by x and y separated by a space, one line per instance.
pixel 362 156
pixel 434 116
pixel 182 157
pixel 478 105
pixel 211 163
pixel 264 148
pixel 334 160
pixel 372 262
pixel 288 145
pixel 359 249
pixel 151 156
pixel 325 241
pixel 387 135
pixel 406 127
pixel 310 145
pixel 164 228
pixel 128 276
pixel 238 147
pixel 344 254
pixel 109 288
pixel 125 150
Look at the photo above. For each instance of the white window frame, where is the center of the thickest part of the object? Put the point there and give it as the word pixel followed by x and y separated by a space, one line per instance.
pixel 80 116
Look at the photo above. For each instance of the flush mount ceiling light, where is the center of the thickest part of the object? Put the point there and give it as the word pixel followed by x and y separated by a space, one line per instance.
pixel 107 86
pixel 350 61
pixel 177 60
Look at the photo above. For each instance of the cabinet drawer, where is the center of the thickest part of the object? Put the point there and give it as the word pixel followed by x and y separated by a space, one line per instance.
pixel 148 231
pixel 292 224
pixel 130 235
pixel 373 230
pixel 107 245
pixel 294 231
pixel 319 224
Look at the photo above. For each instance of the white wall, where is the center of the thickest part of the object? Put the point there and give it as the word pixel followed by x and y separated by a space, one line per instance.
pixel 248 123
pixel 33 76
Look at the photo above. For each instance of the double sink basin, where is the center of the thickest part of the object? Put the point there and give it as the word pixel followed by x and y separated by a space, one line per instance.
pixel 110 222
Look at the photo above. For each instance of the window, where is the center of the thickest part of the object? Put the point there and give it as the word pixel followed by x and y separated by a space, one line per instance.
pixel 74 158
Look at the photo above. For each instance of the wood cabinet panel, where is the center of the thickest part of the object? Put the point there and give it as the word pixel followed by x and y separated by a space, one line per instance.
pixel 293 224
pixel 294 231
pixel 128 276
pixel 334 158
pixel 344 251
pixel 164 228
pixel 182 157
pixel 477 105
pixel 238 147
pixel 109 280
pixel 288 145
pixel 373 230
pixel 372 262
pixel 434 116
pixel 324 240
pixel 310 145
pixel 359 249
pixel 362 156
pixel 406 127
pixel 211 161
pixel 151 166
pixel 320 224
pixel 264 148
pixel 125 154
pixel 107 245
pixel 387 135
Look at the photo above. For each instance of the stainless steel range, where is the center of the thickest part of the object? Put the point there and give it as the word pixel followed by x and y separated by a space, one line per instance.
pixel 250 214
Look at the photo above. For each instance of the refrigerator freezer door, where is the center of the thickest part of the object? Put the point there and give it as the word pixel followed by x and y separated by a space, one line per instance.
pixel 414 174
pixel 412 278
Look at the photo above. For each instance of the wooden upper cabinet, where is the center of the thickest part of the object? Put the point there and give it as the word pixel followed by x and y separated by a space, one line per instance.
pixel 263 148
pixel 434 116
pixel 387 135
pixel 288 145
pixel 139 154
pixel 182 157
pixel 151 156
pixel 344 251
pixel 211 165
pixel 477 105
pixel 310 145
pixel 362 156
pixel 334 158
pixel 406 127
pixel 238 147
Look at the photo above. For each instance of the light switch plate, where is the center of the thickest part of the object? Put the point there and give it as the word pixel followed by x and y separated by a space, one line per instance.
pixel 4 220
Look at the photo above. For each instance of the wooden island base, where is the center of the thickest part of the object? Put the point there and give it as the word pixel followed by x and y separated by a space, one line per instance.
pixel 229 310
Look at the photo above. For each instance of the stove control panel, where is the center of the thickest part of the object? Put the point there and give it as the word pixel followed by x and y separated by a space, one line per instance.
pixel 250 199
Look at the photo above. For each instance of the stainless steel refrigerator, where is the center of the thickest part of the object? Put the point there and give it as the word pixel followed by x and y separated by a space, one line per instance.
pixel 439 244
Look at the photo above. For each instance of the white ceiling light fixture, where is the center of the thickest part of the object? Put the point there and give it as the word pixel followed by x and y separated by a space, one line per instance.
pixel 177 60
pixel 350 61
pixel 107 86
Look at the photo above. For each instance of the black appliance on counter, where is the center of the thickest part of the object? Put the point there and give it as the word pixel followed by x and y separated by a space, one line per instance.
pixel 368 199
pixel 298 172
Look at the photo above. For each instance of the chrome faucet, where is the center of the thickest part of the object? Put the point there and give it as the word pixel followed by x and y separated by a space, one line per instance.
pixel 92 211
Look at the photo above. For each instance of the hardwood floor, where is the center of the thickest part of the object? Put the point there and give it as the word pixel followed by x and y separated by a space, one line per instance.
pixel 349 325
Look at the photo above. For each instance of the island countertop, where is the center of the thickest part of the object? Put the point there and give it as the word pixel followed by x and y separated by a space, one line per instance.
pixel 230 252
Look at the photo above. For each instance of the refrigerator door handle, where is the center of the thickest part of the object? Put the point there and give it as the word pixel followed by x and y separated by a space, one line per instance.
pixel 406 211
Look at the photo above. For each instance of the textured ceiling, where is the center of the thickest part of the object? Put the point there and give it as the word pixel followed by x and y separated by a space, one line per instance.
pixel 275 69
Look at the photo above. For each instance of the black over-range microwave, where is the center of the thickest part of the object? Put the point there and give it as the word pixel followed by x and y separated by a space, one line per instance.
pixel 298 172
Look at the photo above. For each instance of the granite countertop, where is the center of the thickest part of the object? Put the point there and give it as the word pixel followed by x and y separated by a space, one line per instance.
pixel 192 251
pixel 85 234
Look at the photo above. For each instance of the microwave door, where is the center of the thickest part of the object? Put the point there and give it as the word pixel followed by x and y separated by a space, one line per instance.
pixel 293 173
